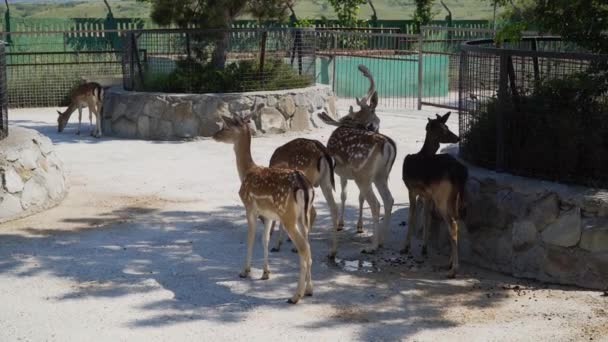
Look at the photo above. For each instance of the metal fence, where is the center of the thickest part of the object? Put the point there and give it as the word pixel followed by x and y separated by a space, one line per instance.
pixel 41 72
pixel 391 58
pixel 187 60
pixel 440 51
pixel 3 97
pixel 536 108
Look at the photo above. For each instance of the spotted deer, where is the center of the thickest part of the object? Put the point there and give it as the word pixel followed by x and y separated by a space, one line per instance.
pixel 367 158
pixel 439 179
pixel 365 117
pixel 312 158
pixel 88 94
pixel 273 194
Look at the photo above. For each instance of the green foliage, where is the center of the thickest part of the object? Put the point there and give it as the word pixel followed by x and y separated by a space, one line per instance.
pixel 423 13
pixel 193 76
pixel 557 131
pixel 347 11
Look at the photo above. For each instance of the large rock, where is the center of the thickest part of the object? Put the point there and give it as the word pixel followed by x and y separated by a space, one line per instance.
pixel 287 106
pixel 164 130
pixel 524 234
pixel 12 181
pixel 565 231
pixel 300 120
pixel 594 237
pixel 124 128
pixel 34 193
pixel 185 124
pixel 156 107
pixel 143 127
pixel 544 211
pixel 10 205
pixel 271 120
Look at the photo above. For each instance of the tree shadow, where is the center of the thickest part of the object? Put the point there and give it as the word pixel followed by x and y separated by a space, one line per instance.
pixel 194 257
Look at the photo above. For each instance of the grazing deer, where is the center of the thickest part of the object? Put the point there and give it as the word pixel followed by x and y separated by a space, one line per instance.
pixel 87 94
pixel 367 158
pixel 274 194
pixel 440 180
pixel 312 158
pixel 366 117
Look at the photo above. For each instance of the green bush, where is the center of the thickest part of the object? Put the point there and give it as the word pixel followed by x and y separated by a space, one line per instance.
pixel 557 131
pixel 195 77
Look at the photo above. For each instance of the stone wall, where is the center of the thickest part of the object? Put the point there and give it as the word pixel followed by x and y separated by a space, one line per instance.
pixel 536 229
pixel 161 116
pixel 31 174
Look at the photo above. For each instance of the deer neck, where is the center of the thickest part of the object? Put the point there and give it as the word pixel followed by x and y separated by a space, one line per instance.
pixel 242 150
pixel 430 147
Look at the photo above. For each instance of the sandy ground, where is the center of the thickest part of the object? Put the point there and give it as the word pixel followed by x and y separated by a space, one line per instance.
pixel 148 244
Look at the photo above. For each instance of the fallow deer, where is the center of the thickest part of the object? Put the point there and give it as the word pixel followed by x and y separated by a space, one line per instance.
pixel 88 94
pixel 273 194
pixel 367 158
pixel 313 159
pixel 366 117
pixel 440 180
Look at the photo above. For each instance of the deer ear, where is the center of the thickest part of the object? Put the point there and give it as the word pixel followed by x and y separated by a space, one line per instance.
pixel 358 102
pixel 445 117
pixel 350 110
pixel 438 116
pixel 429 119
pixel 374 101
pixel 247 118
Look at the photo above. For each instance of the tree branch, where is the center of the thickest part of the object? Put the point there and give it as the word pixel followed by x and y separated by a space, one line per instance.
pixel 107 5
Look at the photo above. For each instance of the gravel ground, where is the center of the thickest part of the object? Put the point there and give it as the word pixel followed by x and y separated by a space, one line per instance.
pixel 150 240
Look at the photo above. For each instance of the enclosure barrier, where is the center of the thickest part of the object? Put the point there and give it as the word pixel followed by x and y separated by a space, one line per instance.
pixel 3 97
pixel 236 60
pixel 536 108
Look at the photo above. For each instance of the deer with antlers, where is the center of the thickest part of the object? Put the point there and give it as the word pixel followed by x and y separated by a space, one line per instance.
pixel 273 194
pixel 365 156
pixel 440 180
pixel 312 158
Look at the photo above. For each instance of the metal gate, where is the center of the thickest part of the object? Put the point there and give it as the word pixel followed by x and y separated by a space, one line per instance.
pixel 440 51
pixel 391 58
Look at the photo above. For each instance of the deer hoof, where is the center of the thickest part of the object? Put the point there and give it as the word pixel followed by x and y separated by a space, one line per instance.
pixel 294 250
pixel 340 228
pixel 78 133
pixel 308 293
pixel 404 250
pixel 331 256
pixel 369 251
pixel 265 275
pixel 275 249
pixel 293 300
pixel 244 274
pixel 451 274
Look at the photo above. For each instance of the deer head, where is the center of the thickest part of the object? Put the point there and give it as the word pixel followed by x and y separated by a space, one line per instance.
pixel 62 121
pixel 365 117
pixel 438 131
pixel 233 129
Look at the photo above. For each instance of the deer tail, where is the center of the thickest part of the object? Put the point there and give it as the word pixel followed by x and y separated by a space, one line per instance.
pixel 327 119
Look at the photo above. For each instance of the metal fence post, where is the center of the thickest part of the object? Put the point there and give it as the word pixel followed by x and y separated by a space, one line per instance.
pixel 463 71
pixel 3 94
pixel 503 100
pixel 420 62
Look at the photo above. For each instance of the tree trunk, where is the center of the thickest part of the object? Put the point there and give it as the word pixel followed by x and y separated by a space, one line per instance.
pixel 220 53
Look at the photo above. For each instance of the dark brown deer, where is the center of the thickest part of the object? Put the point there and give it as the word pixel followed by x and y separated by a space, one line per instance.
pixel 439 179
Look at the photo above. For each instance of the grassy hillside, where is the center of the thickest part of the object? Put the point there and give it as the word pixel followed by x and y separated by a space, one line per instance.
pixel 387 9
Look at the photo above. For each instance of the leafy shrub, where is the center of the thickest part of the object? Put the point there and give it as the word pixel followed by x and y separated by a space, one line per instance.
pixel 193 76
pixel 558 130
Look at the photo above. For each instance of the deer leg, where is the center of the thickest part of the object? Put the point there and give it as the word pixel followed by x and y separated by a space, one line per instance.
pixel 333 209
pixel 250 240
pixel 305 259
pixel 360 220
pixel 428 216
pixel 277 246
pixel 90 119
pixel 366 189
pixel 343 183
pixel 308 288
pixel 410 222
pixel 79 119
pixel 387 201
pixel 267 226
pixel 453 230
pixel 93 107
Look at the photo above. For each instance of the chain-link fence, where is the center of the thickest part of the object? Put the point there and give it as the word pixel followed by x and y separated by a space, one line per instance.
pixel 3 97
pixel 440 51
pixel 206 61
pixel 536 108
pixel 42 73
pixel 391 58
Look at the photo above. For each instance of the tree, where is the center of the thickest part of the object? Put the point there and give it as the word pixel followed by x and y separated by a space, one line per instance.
pixel 347 11
pixel 423 14
pixel 213 14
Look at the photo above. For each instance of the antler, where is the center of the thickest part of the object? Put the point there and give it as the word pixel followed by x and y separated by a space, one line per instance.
pixel 372 86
